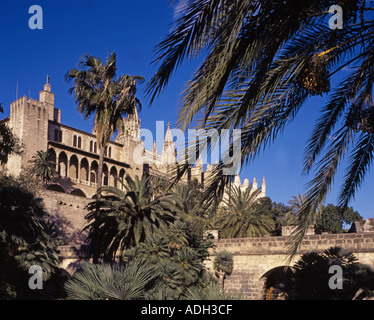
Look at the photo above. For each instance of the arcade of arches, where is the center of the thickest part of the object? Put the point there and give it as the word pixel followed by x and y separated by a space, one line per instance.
pixel 82 170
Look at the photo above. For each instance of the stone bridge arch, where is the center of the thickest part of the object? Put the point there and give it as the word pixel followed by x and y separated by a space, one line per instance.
pixel 277 278
pixel 256 258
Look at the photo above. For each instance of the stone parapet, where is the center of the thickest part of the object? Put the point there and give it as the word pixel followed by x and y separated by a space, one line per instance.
pixel 255 257
pixel 279 245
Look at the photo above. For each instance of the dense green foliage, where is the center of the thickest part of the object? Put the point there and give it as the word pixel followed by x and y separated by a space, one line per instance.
pixel 122 219
pixel 177 269
pixel 223 262
pixel 196 218
pixel 244 215
pixel 110 282
pixel 42 167
pixel 136 280
pixel 149 225
pixel 25 240
pixel 333 218
pixel 9 143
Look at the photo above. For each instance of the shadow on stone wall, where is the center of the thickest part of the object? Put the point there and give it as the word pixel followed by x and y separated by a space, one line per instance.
pixel 334 274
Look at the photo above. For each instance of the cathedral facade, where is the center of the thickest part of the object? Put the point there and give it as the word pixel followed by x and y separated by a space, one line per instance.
pixel 37 124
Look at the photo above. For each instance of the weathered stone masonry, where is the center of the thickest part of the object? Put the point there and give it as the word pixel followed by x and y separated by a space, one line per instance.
pixel 254 257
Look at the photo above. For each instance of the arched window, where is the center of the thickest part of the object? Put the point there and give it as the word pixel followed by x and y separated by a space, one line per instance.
pixel 121 177
pixel 105 175
pixel 60 137
pixel 73 167
pixel 95 148
pixel 93 177
pixel 74 141
pixel 84 170
pixel 91 146
pixel 93 172
pixel 79 142
pixel 110 152
pixel 105 151
pixel 113 177
pixel 52 156
pixel 62 164
pixel 55 137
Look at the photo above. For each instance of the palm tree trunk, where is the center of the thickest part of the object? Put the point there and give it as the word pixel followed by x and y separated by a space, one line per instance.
pixel 100 170
pixel 221 277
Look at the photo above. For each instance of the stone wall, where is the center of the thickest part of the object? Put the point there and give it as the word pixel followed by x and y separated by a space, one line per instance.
pixel 254 257
pixel 68 212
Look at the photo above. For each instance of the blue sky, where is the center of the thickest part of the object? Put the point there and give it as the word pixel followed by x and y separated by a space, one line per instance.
pixel 132 29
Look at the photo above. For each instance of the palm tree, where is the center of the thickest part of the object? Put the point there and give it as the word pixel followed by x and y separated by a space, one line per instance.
pixel 42 167
pixel 177 235
pixel 171 281
pixel 100 92
pixel 242 215
pixel 153 250
pixel 177 269
pixel 189 195
pixel 264 60
pixel 110 282
pixel 292 216
pixel 223 264
pixel 190 265
pixel 123 219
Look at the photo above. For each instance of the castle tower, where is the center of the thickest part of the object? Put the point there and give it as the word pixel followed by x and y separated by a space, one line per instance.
pixel 46 96
pixel 132 126
pixel 29 122
pixel 129 137
pixel 131 129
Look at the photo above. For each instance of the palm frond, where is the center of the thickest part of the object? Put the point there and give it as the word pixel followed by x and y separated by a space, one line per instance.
pixel 360 162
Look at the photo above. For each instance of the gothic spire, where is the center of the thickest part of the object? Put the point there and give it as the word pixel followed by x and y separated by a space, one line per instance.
pixel 168 136
pixel 254 184
pixel 263 187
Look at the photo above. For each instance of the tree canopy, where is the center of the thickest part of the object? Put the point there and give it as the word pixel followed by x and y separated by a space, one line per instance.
pixel 99 92
pixel 25 239
pixel 334 218
pixel 9 143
